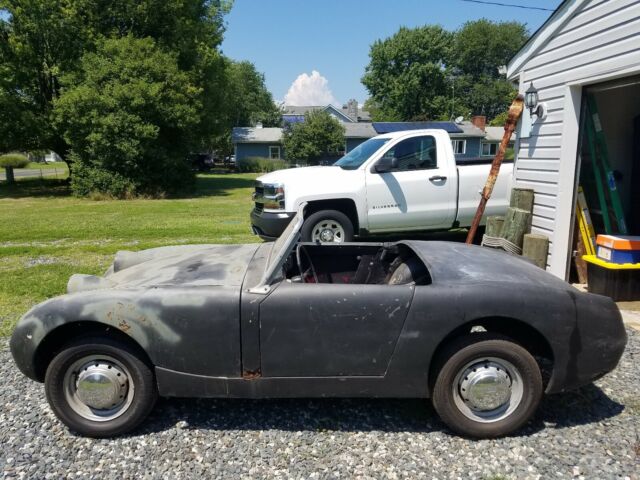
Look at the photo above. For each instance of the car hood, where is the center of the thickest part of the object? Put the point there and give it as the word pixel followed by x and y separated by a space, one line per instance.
pixel 186 265
pixel 318 173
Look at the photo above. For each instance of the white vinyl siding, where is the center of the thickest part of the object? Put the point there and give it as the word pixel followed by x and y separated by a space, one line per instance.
pixel 600 41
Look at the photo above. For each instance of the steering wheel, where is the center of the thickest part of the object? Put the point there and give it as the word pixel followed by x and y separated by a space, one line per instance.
pixel 299 262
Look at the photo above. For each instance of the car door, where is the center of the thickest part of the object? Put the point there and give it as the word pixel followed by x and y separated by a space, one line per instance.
pixel 420 191
pixel 328 330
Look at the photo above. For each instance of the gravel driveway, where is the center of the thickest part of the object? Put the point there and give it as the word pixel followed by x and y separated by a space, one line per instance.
pixel 592 433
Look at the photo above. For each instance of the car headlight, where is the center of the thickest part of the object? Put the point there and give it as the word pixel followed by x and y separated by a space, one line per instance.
pixel 272 196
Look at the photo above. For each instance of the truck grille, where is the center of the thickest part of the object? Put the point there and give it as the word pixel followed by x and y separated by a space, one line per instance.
pixel 259 207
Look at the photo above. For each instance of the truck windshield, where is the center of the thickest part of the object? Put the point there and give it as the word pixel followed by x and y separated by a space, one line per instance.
pixel 361 153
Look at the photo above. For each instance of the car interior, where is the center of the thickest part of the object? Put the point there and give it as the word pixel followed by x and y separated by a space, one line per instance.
pixel 374 264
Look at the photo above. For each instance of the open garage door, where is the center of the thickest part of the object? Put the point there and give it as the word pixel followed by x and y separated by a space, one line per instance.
pixel 609 163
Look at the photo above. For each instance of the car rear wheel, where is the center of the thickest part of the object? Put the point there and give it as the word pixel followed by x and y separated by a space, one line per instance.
pixel 327 226
pixel 488 386
pixel 100 387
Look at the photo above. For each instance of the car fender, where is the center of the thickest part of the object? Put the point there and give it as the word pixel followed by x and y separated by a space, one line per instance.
pixel 194 329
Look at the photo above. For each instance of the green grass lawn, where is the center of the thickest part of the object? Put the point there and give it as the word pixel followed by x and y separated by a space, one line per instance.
pixel 46 234
pixel 47 166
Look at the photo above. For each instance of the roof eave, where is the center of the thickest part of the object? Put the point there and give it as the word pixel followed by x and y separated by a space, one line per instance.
pixel 557 19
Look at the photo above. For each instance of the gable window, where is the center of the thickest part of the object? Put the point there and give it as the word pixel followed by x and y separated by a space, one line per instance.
pixel 274 152
pixel 489 149
pixel 459 146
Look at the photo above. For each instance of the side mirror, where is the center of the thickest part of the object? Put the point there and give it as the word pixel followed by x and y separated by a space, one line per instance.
pixel 386 164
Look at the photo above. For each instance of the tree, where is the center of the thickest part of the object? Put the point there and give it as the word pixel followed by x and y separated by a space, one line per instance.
pixel 10 161
pixel 319 135
pixel 129 116
pixel 44 40
pixel 427 73
pixel 406 75
pixel 481 47
pixel 247 101
pixel 484 95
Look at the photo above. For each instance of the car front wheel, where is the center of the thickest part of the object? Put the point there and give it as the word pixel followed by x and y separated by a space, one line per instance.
pixel 100 387
pixel 488 386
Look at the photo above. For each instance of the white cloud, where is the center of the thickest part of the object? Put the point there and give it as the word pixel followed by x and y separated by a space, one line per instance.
pixel 310 90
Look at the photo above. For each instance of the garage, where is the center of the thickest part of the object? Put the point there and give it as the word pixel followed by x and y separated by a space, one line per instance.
pixel 578 142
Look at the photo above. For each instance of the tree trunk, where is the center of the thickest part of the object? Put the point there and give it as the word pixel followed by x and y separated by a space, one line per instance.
pixel 10 178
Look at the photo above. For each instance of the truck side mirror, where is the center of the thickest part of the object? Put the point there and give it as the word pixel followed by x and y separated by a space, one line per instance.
pixel 386 164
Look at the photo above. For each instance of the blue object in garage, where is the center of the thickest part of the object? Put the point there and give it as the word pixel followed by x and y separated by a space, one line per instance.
pixel 619 249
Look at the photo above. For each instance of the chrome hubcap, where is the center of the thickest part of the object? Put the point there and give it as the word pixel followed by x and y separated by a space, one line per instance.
pixel 328 231
pixel 98 388
pixel 488 389
pixel 485 388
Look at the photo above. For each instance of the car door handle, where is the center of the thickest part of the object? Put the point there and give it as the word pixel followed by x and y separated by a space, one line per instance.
pixel 437 178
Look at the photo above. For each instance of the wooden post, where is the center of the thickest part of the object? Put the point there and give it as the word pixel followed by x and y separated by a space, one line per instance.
pixel 516 224
pixel 536 247
pixel 522 198
pixel 510 125
pixel 494 226
pixel 9 175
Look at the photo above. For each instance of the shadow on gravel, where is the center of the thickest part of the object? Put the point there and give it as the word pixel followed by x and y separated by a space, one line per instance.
pixel 587 405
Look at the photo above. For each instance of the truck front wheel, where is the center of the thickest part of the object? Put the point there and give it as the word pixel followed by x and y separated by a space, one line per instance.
pixel 327 226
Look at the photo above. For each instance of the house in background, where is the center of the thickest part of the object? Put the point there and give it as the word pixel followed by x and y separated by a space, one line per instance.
pixel 471 140
pixel 257 142
pixel 349 113
pixel 267 142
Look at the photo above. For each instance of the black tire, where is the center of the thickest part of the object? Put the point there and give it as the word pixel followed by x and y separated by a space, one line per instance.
pixel 142 397
pixel 482 346
pixel 333 215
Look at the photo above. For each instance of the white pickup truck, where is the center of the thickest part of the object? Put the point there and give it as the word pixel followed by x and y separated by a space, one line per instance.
pixel 399 181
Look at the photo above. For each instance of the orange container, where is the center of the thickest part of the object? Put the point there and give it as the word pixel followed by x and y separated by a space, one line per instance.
pixel 619 242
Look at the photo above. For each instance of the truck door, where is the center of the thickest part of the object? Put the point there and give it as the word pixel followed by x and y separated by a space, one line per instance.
pixel 419 192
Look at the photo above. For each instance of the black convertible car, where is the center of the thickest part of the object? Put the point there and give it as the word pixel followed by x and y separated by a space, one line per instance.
pixel 481 333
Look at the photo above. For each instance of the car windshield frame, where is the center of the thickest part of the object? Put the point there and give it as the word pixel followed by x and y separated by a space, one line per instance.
pixel 281 249
pixel 363 152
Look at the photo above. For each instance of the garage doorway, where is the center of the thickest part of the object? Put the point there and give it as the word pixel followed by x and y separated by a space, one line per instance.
pixel 618 106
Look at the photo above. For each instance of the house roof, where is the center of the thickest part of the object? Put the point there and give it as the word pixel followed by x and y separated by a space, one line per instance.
pixel 495 134
pixel 363 115
pixel 369 130
pixel 255 135
pixel 359 130
pixel 274 135
pixel 557 20
pixel 467 129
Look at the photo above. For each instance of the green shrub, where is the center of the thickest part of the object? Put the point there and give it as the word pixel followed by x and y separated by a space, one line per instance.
pixel 260 165
pixel 89 181
pixel 129 116
pixel 13 160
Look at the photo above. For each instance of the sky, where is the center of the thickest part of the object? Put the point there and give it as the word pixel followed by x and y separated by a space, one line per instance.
pixel 315 51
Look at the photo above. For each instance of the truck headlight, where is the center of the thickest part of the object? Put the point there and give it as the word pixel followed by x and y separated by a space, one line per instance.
pixel 273 196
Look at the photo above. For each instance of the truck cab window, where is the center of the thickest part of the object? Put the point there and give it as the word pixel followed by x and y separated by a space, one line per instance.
pixel 417 153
